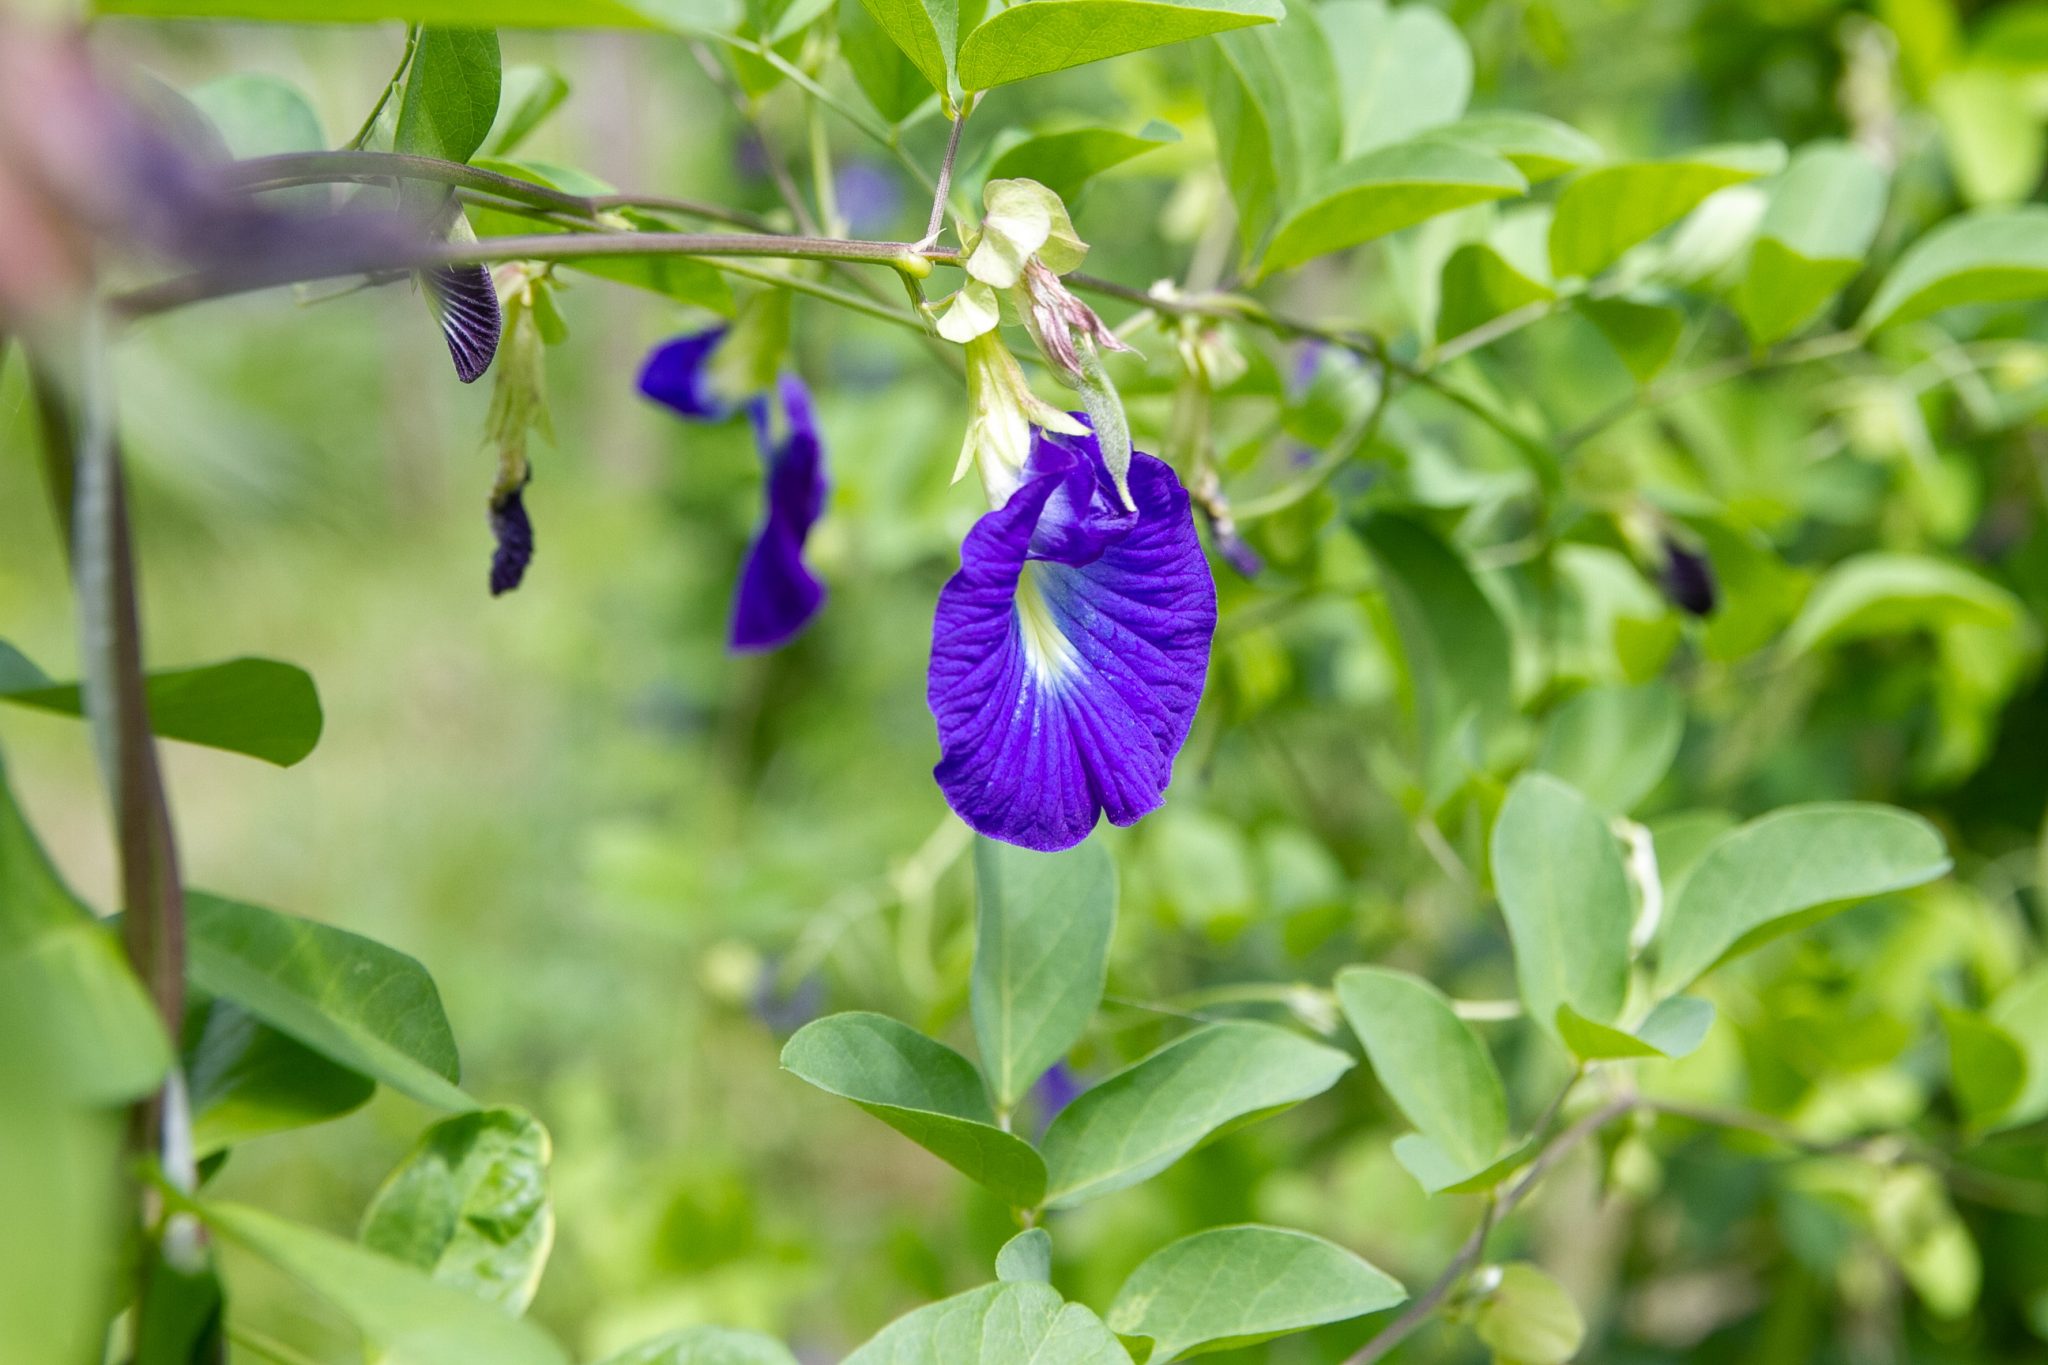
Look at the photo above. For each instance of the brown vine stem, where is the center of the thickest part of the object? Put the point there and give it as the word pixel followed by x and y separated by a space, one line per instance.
pixel 1424 1306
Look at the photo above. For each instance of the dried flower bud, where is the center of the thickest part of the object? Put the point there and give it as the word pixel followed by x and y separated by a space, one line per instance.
pixel 512 529
pixel 1059 323
pixel 1688 578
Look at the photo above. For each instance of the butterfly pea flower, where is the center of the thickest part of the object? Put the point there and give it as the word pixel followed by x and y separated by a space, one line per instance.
pixel 1070 650
pixel 777 594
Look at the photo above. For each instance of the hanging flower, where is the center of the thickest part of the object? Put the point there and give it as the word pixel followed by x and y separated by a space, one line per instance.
pixel 1070 650
pixel 777 594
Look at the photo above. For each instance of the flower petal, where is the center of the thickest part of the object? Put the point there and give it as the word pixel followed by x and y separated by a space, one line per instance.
pixel 777 593
pixel 1064 690
pixel 465 302
pixel 677 376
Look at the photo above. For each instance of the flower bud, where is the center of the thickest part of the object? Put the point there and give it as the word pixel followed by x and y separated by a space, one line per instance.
pixel 1001 410
pixel 1687 577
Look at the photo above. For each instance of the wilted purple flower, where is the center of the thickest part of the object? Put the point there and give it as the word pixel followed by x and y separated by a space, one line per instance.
pixel 513 531
pixel 1688 579
pixel 777 593
pixel 1070 650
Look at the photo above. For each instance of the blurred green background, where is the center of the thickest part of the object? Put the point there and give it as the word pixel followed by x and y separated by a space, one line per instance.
pixel 634 862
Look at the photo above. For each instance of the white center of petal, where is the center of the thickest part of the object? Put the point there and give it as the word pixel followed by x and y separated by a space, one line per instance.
pixel 1051 656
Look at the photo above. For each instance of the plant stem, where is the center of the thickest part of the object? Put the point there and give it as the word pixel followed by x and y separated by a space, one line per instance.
pixel 221 283
pixel 412 41
pixel 1424 1306
pixel 944 188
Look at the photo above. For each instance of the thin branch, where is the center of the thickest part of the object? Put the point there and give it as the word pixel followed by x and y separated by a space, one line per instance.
pixel 1423 1307
pixel 944 188
pixel 412 42
pixel 221 283
pixel 1674 387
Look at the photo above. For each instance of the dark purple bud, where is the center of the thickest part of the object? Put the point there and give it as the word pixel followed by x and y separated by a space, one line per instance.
pixel 1688 579
pixel 513 530
pixel 465 302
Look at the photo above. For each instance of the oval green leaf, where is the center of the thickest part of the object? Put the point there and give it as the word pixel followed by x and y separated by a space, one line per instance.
pixel 1565 893
pixel 1052 35
pixel 1889 594
pixel 1823 215
pixel 1065 162
pixel 1431 1064
pixel 1401 70
pixel 368 1007
pixel 1021 1323
pixel 259 707
pixel 1540 148
pixel 411 1319
pixel 1237 1286
pixel 921 1088
pixel 246 1079
pixel 1614 744
pixel 1995 256
pixel 705 1346
pixel 1605 211
pixel 1779 872
pixel 1386 190
pixel 1151 1114
pixel 470 1207
pixel 1042 924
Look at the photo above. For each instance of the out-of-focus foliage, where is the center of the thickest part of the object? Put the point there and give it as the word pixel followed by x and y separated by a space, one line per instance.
pixel 1474 803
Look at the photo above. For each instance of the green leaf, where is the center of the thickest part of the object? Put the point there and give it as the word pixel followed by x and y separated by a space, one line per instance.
pixel 1675 1028
pixel 1987 1066
pixel 1540 148
pixel 889 79
pixel 1433 1066
pixel 1605 211
pixel 921 1088
pixel 1237 1286
pixel 1992 256
pixel 61 969
pixel 1151 1114
pixel 1027 1256
pixel 1823 215
pixel 926 32
pixel 349 998
pixel 1528 1319
pixel 1022 1323
pixel 1385 190
pixel 1052 35
pixel 1480 284
pixel 1996 145
pixel 470 1206
pixel 1614 744
pixel 259 707
pixel 1887 594
pixel 451 94
pixel 694 15
pixel 1042 925
pixel 248 1080
pixel 413 1319
pixel 1781 871
pixel 528 96
pixel 1272 100
pixel 705 1346
pixel 1644 334
pixel 2021 1012
pixel 1401 71
pixel 261 115
pixel 1565 894
pixel 1065 162
pixel 1456 649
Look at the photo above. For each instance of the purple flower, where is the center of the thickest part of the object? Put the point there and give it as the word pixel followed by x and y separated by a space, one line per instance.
pixel 777 593
pixel 1069 651
pixel 1054 1091
pixel 678 376
pixel 512 529
pixel 1687 577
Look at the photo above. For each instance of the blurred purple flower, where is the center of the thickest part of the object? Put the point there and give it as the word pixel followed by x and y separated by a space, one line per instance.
pixel 777 594
pixel 784 1011
pixel 1055 1090
pixel 1687 577
pixel 869 197
pixel 1070 650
